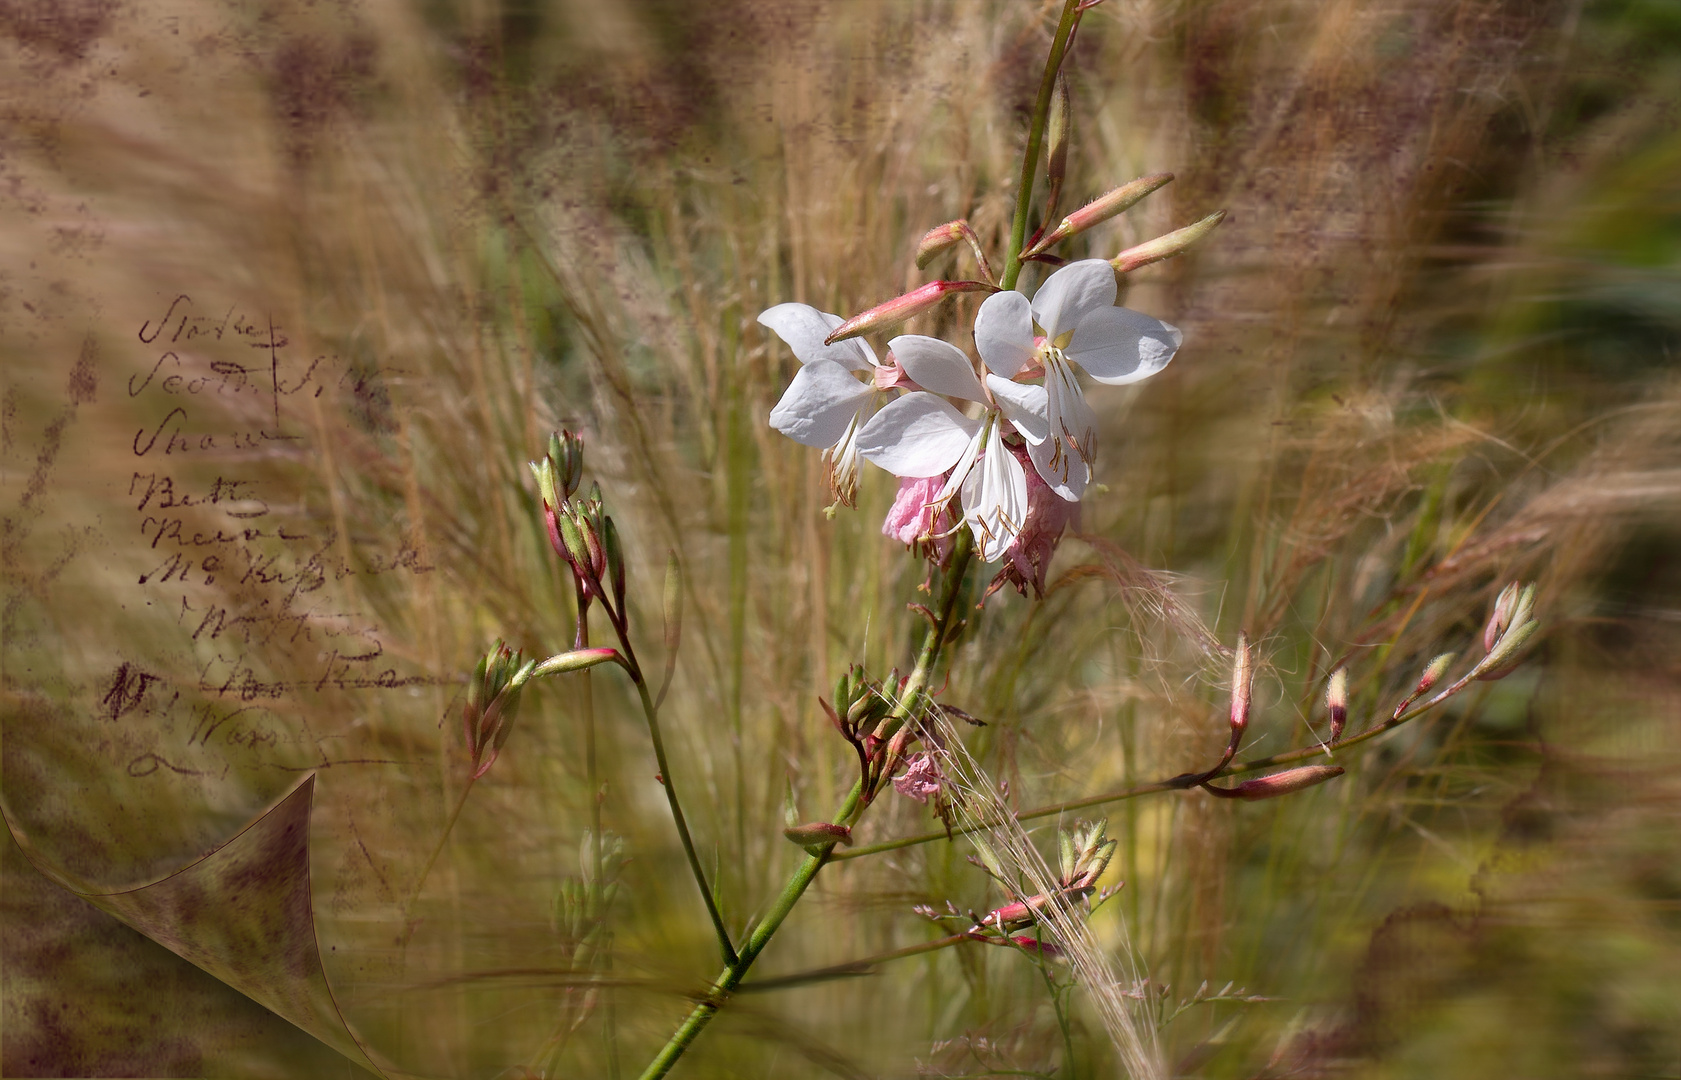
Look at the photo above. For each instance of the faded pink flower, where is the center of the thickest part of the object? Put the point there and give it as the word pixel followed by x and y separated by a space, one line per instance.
pixel 912 519
pixel 921 780
pixel 1028 559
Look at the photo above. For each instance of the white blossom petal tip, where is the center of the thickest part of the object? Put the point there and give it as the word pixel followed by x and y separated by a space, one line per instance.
pixel 1117 346
pixel 804 328
pixel 819 404
pixel 937 366
pixel 1069 294
pixel 1004 333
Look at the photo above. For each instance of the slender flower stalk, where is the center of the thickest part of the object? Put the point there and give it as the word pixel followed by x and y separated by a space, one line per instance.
pixel 1035 139
pixel 730 979
pixel 650 712
pixel 592 778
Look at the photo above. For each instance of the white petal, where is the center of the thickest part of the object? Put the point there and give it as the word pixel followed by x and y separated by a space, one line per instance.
pixel 1064 460
pixel 938 366
pixel 1067 295
pixel 995 499
pixel 1049 468
pixel 1023 404
pixel 966 462
pixel 1119 345
pixel 803 327
pixel 916 435
pixel 1004 332
pixel 819 404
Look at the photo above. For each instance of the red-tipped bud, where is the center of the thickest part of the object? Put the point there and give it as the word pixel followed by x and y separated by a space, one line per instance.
pixel 938 239
pixel 901 308
pixel 1099 210
pixel 1243 677
pixel 941 237
pixel 1336 701
pixel 1016 913
pixel 576 660
pixel 1034 945
pixel 492 705
pixel 1271 787
pixel 1165 247
pixel 1433 674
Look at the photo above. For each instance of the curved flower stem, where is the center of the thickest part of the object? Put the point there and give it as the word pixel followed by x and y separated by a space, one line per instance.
pixel 449 826
pixel 592 777
pixel 620 621
pixel 1182 782
pixel 951 588
pixel 652 714
pixel 1036 139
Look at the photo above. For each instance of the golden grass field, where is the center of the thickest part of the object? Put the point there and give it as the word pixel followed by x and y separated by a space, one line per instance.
pixel 1430 351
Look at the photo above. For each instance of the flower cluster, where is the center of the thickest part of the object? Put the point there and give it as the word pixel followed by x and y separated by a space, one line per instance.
pixel 1021 430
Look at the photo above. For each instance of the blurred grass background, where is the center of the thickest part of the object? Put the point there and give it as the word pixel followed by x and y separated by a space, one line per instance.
pixel 1430 351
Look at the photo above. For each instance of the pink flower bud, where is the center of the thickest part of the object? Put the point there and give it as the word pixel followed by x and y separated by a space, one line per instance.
pixel 576 660
pixel 1017 912
pixel 1271 787
pixel 938 239
pixel 1336 701
pixel 1433 674
pixel 901 308
pixel 1099 210
pixel 1243 677
pixel 1165 247
pixel 1044 948
pixel 941 237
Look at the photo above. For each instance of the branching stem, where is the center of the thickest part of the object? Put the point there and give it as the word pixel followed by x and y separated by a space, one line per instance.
pixel 729 980
pixel 1182 782
pixel 670 785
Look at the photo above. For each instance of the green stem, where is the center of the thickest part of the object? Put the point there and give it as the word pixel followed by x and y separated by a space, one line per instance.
pixel 1058 1005
pixel 951 588
pixel 648 710
pixel 449 826
pixel 866 966
pixel 1035 140
pixel 592 777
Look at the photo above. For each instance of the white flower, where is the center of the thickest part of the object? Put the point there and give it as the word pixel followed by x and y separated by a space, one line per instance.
pixel 825 405
pixel 922 435
pixel 1082 327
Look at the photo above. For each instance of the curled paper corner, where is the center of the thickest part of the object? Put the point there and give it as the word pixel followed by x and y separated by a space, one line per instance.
pixel 243 913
